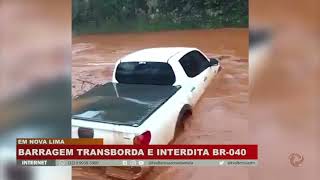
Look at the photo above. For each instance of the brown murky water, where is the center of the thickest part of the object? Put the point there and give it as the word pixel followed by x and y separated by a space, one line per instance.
pixel 221 116
pixel 93 56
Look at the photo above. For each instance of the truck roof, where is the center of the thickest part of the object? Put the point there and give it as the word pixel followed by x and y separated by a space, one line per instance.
pixel 162 54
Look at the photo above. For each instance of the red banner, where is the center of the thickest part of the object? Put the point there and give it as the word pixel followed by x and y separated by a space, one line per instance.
pixel 154 152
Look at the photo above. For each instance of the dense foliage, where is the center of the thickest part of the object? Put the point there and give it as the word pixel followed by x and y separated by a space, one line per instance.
pixel 90 16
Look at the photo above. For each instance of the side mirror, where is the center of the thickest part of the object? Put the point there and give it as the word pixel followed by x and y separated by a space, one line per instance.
pixel 213 62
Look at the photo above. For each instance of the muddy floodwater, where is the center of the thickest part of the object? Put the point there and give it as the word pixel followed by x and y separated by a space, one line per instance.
pixel 221 115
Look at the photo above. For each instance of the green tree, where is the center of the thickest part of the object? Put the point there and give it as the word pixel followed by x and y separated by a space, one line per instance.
pixel 125 15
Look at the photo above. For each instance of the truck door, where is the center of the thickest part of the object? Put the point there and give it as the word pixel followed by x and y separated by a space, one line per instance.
pixel 197 68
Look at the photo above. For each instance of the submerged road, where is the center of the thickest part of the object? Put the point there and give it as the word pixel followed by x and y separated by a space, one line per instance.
pixel 221 116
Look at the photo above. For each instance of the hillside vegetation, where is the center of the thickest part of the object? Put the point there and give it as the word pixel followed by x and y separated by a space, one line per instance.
pixel 95 16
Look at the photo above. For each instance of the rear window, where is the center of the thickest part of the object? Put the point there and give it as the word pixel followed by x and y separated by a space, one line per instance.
pixel 156 73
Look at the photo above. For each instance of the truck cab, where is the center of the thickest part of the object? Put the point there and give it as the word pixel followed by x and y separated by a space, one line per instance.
pixel 185 67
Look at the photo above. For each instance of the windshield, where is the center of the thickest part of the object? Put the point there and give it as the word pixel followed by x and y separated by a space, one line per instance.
pixel 156 73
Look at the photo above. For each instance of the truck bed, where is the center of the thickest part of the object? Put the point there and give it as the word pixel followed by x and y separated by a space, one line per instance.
pixel 122 104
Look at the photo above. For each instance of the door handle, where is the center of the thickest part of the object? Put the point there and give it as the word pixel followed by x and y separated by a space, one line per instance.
pixel 192 89
pixel 205 78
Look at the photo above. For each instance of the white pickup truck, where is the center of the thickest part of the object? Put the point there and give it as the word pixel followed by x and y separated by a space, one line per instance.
pixel 150 92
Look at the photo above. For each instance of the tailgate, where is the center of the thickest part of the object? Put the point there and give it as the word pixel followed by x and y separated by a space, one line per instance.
pixel 111 134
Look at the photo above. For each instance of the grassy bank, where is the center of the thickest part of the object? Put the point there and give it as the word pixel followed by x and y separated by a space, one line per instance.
pixel 141 25
pixel 97 16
